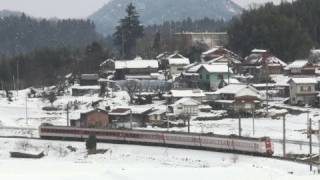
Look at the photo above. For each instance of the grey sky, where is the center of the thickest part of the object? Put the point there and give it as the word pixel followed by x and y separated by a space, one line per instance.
pixel 54 8
pixel 70 8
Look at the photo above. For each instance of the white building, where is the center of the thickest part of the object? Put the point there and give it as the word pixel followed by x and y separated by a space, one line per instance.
pixel 186 106
pixel 176 63
pixel 302 91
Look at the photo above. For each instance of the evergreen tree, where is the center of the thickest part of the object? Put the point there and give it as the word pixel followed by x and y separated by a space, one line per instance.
pixel 91 143
pixel 128 32
pixel 157 43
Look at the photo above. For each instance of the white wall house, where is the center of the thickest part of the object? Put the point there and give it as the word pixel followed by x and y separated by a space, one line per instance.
pixel 176 63
pixel 302 91
pixel 185 106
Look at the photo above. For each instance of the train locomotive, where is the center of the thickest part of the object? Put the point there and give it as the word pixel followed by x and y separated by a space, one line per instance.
pixel 225 143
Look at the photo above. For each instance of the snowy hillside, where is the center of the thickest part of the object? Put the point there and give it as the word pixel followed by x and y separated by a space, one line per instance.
pixel 155 12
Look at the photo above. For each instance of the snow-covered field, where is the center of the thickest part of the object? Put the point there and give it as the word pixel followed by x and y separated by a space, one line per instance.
pixel 139 162
pixel 123 162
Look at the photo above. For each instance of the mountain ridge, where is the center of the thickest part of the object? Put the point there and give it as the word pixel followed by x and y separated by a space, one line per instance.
pixel 155 12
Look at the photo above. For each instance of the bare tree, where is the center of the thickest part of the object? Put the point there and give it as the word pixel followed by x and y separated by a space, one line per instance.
pixel 132 86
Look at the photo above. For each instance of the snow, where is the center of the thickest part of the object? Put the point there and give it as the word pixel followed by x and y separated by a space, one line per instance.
pixel 136 64
pixel 135 162
pixel 234 89
pixel 247 92
pixel 297 64
pixel 217 68
pixel 122 162
pixel 304 80
pixel 258 51
pixel 178 59
pixel 187 102
pixel 187 93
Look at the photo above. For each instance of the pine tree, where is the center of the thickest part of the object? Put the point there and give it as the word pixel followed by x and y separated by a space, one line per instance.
pixel 128 32
pixel 91 143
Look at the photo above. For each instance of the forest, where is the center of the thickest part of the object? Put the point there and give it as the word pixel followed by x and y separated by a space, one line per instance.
pixel 40 52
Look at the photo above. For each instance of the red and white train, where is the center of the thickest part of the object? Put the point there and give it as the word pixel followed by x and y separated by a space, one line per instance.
pixel 232 143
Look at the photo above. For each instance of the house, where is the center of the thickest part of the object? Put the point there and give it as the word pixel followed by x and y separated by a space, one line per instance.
pixel 177 94
pixel 124 116
pixel 96 118
pixel 220 51
pixel 107 68
pixel 176 63
pixel 300 67
pixel 302 91
pixel 211 75
pixel 137 68
pixel 186 106
pixel 157 115
pixel 89 79
pixel 186 80
pixel 232 62
pixel 261 63
pixel 228 97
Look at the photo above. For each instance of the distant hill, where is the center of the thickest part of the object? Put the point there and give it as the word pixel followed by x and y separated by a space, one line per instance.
pixel 7 13
pixel 158 11
pixel 22 34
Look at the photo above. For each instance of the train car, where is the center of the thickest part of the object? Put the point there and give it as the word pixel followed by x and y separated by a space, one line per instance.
pixel 231 143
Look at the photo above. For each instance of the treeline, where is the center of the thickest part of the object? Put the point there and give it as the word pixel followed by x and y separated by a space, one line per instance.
pixel 289 30
pixel 160 38
pixel 48 66
pixel 22 34
pixel 189 25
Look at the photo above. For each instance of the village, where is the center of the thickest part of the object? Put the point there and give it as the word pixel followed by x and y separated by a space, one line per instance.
pixel 222 94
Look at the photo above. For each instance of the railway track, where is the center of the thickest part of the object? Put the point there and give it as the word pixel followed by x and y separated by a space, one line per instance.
pixel 255 155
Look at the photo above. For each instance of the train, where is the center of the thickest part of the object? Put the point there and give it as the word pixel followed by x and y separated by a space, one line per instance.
pixel 223 143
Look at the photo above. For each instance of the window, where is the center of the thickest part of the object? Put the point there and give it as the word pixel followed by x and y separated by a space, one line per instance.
pixel 309 88
pixel 208 77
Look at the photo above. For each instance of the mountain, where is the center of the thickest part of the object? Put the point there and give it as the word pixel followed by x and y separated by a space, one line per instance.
pixel 158 11
pixel 7 13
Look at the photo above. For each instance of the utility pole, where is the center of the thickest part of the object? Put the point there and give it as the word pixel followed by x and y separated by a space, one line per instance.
pixel 253 124
pixel 68 114
pixel 310 140
pixel 26 110
pixel 131 119
pixel 18 86
pixel 189 117
pixel 319 147
pixel 240 129
pixel 284 135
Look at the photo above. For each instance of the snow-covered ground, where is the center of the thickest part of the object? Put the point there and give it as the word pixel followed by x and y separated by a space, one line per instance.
pixel 123 162
pixel 139 162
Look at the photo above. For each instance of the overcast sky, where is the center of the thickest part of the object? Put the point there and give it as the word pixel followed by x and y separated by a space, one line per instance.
pixel 69 8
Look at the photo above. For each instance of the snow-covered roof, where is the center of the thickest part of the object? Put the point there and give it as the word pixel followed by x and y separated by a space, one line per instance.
pixel 303 80
pixel 217 68
pixel 178 59
pixel 257 57
pixel 248 92
pixel 258 51
pixel 105 62
pixel 235 88
pixel 224 59
pixel 136 64
pixel 187 93
pixel 212 50
pixel 297 64
pixel 187 102
pixel 194 68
